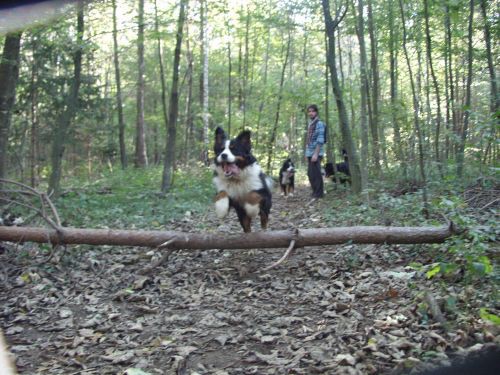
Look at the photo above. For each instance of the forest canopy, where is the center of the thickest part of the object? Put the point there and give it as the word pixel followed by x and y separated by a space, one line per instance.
pixel 408 88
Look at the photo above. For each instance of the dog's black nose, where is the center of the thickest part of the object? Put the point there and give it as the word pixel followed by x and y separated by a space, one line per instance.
pixel 223 156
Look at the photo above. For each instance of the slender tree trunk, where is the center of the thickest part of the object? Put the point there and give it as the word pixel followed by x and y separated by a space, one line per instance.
pixel 9 73
pixel 62 129
pixel 141 158
pixel 330 149
pixel 173 106
pixel 354 166
pixel 374 123
pixel 272 140
pixel 188 137
pixel 461 147
pixel 119 104
pixel 494 95
pixel 264 84
pixel 451 81
pixel 34 151
pixel 229 75
pixel 416 110
pixel 436 86
pixel 164 88
pixel 364 90
pixel 394 92
pixel 245 68
pixel 204 93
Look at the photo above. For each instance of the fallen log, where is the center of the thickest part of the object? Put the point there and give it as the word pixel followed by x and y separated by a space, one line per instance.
pixel 205 241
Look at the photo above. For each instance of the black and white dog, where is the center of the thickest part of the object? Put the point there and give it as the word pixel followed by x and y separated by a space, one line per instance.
pixel 287 178
pixel 239 180
pixel 342 168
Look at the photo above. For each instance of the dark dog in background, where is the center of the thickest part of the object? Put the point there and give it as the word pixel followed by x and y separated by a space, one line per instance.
pixel 239 180
pixel 287 178
pixel 342 168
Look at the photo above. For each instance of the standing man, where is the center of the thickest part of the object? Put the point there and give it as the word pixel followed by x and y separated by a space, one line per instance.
pixel 314 151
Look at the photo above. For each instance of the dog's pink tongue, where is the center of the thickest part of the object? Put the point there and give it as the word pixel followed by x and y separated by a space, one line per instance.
pixel 231 169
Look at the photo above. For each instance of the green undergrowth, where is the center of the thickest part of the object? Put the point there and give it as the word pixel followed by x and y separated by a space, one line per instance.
pixel 131 199
pixel 470 257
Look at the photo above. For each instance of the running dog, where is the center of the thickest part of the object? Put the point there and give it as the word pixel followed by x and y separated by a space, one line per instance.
pixel 287 178
pixel 239 180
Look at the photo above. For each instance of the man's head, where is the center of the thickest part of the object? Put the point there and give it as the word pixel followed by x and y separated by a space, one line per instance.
pixel 312 111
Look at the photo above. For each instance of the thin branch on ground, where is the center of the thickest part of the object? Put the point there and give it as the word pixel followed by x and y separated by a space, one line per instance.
pixel 167 252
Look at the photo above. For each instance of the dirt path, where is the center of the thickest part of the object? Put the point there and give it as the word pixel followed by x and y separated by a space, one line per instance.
pixel 330 310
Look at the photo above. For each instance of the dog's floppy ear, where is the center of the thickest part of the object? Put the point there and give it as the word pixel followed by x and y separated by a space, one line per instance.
pixel 244 139
pixel 220 138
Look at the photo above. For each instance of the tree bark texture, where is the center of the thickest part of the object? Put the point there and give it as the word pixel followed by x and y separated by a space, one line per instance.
pixel 173 108
pixel 141 159
pixel 272 140
pixel 205 241
pixel 348 141
pixel 468 95
pixel 9 71
pixel 416 107
pixel 119 103
pixel 364 91
pixel 63 125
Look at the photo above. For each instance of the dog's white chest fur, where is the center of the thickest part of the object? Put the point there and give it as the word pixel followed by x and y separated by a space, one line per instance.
pixel 238 187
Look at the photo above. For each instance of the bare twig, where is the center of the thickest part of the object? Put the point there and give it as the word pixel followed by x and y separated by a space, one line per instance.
pixel 283 258
pixel 44 200
pixel 489 204
pixel 435 310
pixel 164 257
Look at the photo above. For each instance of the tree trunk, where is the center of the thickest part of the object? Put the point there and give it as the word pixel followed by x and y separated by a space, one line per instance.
pixel 9 72
pixel 451 103
pixel 374 123
pixel 173 106
pixel 189 131
pixel 141 158
pixel 330 149
pixel 394 92
pixel 331 25
pixel 436 86
pixel 229 75
pixel 162 71
pixel 204 92
pixel 119 103
pixel 494 94
pixel 364 91
pixel 467 111
pixel 34 149
pixel 416 110
pixel 254 240
pixel 264 84
pixel 272 140
pixel 245 68
pixel 64 121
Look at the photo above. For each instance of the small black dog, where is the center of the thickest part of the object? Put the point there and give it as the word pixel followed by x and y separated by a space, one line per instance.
pixel 342 168
pixel 287 178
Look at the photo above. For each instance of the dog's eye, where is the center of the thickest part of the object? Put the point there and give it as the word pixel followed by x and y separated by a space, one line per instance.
pixel 231 147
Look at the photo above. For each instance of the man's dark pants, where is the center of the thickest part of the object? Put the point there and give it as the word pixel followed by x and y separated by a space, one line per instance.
pixel 315 177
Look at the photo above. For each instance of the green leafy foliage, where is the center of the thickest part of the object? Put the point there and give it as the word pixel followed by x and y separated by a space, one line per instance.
pixel 131 199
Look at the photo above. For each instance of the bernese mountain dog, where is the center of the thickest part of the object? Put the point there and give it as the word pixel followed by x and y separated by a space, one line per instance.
pixel 342 168
pixel 287 178
pixel 239 180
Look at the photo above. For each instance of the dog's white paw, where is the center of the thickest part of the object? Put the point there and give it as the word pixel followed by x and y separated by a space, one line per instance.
pixel 290 195
pixel 222 207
